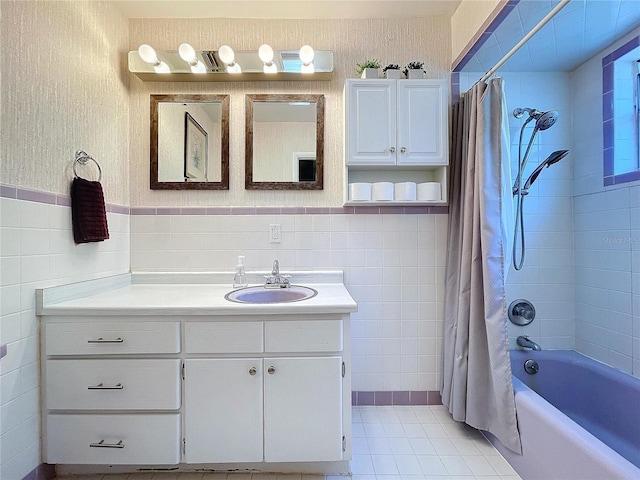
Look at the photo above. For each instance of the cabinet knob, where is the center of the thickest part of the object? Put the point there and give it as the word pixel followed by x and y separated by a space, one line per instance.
pixel 403 149
pixel 392 149
pixel 271 370
pixel 253 371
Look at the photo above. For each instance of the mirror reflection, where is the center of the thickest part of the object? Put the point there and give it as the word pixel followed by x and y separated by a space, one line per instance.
pixel 284 142
pixel 190 142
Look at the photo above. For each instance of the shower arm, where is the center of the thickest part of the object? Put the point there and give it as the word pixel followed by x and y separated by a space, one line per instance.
pixel 523 162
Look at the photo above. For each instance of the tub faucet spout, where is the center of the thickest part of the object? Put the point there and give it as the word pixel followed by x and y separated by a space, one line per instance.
pixel 526 342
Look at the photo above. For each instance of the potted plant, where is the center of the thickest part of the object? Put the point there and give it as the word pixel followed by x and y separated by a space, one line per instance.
pixel 414 70
pixel 392 71
pixel 368 68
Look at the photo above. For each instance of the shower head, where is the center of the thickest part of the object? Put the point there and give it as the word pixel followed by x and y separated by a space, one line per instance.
pixel 550 160
pixel 546 120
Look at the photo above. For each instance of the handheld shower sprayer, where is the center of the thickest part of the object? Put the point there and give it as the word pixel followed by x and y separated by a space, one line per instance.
pixel 544 120
pixel 550 160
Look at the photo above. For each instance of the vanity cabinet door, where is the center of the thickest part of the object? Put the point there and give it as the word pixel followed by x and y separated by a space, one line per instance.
pixel 303 409
pixel 223 410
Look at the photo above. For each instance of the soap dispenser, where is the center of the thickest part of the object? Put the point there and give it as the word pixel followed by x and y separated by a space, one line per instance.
pixel 240 278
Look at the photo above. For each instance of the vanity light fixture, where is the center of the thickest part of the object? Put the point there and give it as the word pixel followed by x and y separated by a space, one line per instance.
pixel 306 57
pixel 265 52
pixel 229 58
pixel 188 54
pixel 148 55
pixel 223 64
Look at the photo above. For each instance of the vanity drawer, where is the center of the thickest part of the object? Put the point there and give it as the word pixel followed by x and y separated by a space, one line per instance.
pixel 101 338
pixel 113 439
pixel 223 337
pixel 303 336
pixel 113 384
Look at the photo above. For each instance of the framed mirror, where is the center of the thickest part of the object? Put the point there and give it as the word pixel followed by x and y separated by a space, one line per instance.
pixel 284 142
pixel 189 142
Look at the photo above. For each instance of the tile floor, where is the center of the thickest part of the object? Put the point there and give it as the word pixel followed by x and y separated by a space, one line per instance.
pixel 389 443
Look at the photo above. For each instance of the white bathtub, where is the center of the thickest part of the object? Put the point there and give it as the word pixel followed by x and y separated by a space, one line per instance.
pixel 554 446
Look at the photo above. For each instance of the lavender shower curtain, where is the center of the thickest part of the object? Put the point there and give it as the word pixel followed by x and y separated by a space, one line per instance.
pixel 477 387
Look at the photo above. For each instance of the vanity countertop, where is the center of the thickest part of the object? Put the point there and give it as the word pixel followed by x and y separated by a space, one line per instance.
pixel 187 294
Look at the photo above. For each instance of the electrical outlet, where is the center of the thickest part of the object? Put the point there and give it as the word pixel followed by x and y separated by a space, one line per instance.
pixel 275 233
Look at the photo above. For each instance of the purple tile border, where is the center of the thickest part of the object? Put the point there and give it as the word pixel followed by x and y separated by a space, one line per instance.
pixel 36 196
pixel 44 471
pixel 360 210
pixel 39 196
pixel 423 397
pixel 502 11
pixel 608 152
pixel 8 191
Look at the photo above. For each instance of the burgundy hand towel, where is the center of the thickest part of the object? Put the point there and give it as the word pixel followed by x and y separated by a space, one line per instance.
pixel 88 213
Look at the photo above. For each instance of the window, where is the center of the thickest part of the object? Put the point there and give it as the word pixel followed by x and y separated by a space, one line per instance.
pixel 621 116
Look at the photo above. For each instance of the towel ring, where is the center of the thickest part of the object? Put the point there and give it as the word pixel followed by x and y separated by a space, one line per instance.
pixel 82 158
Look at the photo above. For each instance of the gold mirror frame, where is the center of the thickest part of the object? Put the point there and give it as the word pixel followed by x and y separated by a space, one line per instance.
pixel 249 183
pixel 223 184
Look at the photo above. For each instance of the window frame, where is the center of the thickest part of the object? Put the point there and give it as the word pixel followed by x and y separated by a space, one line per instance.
pixel 609 176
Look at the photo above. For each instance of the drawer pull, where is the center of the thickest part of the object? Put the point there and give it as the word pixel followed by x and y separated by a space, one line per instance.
pixel 253 371
pixel 102 386
pixel 101 444
pixel 271 370
pixel 106 340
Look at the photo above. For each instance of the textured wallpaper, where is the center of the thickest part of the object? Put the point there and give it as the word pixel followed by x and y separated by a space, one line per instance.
pixel 64 88
pixel 389 40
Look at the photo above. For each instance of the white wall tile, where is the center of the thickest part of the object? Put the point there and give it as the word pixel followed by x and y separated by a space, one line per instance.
pixel 388 271
pixel 47 256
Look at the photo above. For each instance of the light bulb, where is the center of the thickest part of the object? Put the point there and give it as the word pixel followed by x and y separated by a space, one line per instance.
pixel 148 54
pixel 161 67
pixel 226 54
pixel 187 53
pixel 272 68
pixel 198 67
pixel 307 68
pixel 265 52
pixel 235 68
pixel 306 54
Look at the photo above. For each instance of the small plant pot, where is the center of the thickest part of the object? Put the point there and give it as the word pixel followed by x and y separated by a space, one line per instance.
pixel 415 74
pixel 393 74
pixel 369 73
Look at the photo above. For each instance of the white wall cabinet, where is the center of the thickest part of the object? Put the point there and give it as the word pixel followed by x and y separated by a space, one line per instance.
pixel 397 131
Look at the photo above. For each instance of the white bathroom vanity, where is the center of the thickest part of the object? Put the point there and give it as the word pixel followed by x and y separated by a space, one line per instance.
pixel 161 372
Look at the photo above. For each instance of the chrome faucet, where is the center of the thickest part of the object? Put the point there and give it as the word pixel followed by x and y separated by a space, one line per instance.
pixel 526 342
pixel 276 279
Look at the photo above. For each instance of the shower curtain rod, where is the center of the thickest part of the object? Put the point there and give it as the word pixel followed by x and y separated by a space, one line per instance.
pixel 525 39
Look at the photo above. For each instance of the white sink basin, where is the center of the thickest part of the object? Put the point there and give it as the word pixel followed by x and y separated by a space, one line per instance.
pixel 260 294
